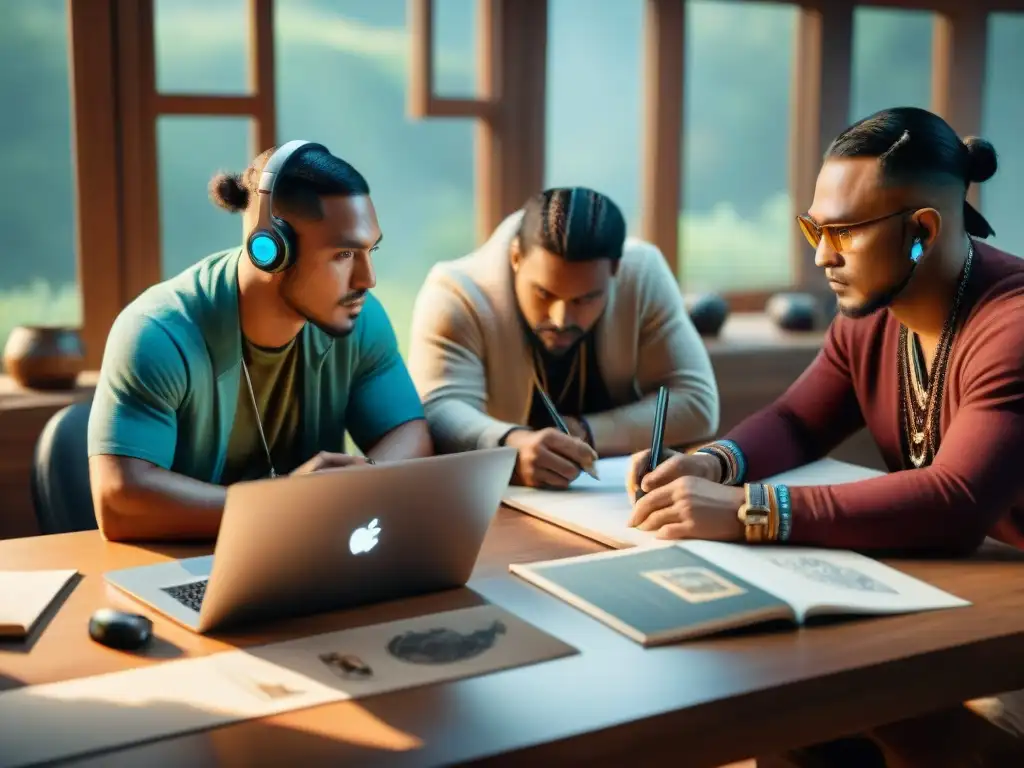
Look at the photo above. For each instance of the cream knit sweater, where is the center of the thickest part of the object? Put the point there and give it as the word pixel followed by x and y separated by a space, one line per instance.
pixel 473 369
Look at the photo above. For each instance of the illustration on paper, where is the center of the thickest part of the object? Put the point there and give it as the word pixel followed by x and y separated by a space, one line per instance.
pixel 441 645
pixel 347 666
pixel 824 572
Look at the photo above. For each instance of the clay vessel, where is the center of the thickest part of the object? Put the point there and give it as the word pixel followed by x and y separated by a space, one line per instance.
pixel 44 357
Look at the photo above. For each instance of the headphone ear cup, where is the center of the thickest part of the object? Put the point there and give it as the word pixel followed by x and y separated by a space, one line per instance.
pixel 266 249
pixel 288 239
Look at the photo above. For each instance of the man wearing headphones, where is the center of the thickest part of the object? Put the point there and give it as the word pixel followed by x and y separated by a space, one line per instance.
pixel 928 355
pixel 256 361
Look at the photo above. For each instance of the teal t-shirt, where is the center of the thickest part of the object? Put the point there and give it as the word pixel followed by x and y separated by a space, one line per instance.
pixel 169 383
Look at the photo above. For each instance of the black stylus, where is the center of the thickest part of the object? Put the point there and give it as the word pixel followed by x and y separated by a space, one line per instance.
pixel 657 439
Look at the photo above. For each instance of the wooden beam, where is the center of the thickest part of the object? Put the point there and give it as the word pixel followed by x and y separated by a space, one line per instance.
pixel 469 108
pixel 959 47
pixel 1010 6
pixel 95 146
pixel 140 190
pixel 512 77
pixel 262 82
pixel 664 83
pixel 201 104
pixel 820 104
pixel 421 58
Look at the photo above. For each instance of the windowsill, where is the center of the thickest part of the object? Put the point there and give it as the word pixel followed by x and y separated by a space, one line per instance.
pixel 743 332
pixel 747 332
pixel 13 396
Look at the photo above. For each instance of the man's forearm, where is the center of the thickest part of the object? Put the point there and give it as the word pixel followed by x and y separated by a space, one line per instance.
pixel 153 504
pixel 457 426
pixel 409 441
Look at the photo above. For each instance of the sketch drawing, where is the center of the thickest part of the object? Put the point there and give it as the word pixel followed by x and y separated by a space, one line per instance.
pixel 444 646
pixel 263 689
pixel 275 691
pixel 824 572
pixel 694 584
pixel 346 665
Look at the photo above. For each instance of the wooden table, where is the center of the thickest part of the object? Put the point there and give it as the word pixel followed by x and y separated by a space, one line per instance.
pixel 701 703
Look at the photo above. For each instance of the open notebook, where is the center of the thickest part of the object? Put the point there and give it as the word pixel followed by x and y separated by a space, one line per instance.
pixel 662 594
pixel 600 509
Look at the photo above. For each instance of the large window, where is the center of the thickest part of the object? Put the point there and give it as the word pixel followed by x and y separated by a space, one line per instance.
pixel 37 213
pixel 200 48
pixel 594 92
pixel 736 224
pixel 190 150
pixel 342 71
pixel 892 60
pixel 1002 198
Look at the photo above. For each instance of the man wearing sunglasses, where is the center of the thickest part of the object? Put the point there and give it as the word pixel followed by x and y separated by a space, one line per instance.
pixel 927 353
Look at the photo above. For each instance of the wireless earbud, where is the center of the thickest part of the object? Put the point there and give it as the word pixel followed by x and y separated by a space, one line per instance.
pixel 916 250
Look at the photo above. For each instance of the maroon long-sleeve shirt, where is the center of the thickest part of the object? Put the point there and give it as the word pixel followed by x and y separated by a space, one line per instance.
pixel 974 486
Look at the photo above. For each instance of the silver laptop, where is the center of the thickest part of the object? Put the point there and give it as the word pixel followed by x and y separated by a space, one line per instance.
pixel 307 544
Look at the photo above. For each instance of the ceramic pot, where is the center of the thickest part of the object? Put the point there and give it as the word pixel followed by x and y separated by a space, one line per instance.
pixel 793 311
pixel 708 311
pixel 44 357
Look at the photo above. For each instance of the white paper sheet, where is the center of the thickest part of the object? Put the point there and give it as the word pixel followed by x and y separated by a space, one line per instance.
pixel 826 581
pixel 56 721
pixel 600 509
pixel 25 596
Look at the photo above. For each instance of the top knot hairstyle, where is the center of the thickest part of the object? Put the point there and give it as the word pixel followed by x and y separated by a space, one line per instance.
pixel 915 146
pixel 310 174
pixel 575 223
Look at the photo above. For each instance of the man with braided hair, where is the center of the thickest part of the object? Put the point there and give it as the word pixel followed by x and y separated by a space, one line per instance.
pixel 559 299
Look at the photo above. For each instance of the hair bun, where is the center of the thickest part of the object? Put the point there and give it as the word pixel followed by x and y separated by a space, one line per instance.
pixel 228 192
pixel 982 162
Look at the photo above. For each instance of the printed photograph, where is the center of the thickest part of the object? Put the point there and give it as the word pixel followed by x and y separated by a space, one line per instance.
pixel 694 584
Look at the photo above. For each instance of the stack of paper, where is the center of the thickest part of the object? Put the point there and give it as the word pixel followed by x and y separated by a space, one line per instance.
pixel 25 596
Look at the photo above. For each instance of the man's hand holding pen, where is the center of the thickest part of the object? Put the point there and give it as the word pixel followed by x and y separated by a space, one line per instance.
pixel 683 498
pixel 549 458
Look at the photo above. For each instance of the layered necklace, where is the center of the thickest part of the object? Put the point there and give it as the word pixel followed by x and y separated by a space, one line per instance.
pixel 921 396
pixel 577 375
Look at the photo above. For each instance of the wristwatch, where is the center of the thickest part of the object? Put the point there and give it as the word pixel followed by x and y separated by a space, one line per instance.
pixel 755 514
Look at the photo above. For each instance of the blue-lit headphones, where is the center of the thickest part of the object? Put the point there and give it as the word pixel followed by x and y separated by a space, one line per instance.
pixel 916 250
pixel 271 245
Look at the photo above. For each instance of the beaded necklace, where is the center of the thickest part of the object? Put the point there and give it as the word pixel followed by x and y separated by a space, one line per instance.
pixel 920 407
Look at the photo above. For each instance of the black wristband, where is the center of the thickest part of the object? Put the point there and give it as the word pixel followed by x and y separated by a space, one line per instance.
pixel 722 464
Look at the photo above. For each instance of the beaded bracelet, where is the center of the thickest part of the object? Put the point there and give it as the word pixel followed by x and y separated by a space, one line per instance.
pixel 729 455
pixel 773 501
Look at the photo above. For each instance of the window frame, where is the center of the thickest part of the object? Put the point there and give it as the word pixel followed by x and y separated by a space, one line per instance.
pixel 116 107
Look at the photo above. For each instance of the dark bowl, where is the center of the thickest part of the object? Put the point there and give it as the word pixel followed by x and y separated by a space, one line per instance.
pixel 793 311
pixel 44 357
pixel 708 311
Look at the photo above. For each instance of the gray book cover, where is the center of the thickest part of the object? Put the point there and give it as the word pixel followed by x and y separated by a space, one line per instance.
pixel 656 595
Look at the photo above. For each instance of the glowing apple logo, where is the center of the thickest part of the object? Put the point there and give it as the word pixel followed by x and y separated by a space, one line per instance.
pixel 364 539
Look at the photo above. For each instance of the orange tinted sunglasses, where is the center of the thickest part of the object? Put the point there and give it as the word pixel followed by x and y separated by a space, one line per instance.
pixel 839 236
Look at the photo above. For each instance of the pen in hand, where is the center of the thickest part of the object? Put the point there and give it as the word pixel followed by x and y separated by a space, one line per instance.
pixel 562 427
pixel 657 440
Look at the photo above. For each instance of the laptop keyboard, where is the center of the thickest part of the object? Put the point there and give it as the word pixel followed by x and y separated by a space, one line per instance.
pixel 190 595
